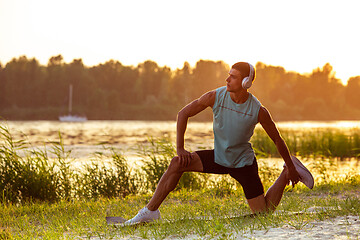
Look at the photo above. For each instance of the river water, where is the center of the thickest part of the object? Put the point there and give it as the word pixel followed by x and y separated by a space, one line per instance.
pixel 86 138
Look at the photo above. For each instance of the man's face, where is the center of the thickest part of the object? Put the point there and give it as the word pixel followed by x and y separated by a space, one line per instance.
pixel 234 81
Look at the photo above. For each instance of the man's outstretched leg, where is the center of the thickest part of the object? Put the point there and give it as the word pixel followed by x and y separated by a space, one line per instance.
pixel 273 196
pixel 271 200
pixel 167 183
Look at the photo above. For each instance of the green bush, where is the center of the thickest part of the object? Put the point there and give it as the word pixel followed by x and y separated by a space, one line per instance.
pixel 98 180
pixel 33 175
pixel 156 159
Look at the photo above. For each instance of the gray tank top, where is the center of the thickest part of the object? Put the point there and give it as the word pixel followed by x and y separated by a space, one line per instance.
pixel 233 126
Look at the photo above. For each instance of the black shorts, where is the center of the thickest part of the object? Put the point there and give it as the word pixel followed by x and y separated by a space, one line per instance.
pixel 247 176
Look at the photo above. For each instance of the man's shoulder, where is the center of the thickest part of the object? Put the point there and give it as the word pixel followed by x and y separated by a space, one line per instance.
pixel 255 100
pixel 264 115
pixel 208 98
pixel 221 89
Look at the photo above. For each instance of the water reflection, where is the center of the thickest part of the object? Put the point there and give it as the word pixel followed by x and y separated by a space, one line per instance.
pixel 85 138
pixel 132 132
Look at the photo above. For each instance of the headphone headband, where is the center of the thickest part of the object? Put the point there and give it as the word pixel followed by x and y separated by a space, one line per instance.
pixel 251 72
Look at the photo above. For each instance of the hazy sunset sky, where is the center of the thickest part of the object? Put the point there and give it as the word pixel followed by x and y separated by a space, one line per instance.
pixel 298 35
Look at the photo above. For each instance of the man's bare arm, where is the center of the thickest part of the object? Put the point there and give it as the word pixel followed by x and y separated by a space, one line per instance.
pixel 190 110
pixel 269 126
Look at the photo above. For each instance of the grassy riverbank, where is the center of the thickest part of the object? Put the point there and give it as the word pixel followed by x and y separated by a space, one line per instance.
pixel 43 196
pixel 80 219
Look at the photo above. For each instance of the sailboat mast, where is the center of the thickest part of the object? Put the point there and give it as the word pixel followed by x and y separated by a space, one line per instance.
pixel 70 98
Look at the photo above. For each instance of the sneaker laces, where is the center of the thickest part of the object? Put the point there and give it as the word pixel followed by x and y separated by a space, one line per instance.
pixel 142 212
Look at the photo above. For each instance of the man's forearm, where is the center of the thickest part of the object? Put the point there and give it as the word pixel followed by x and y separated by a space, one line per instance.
pixel 188 111
pixel 181 126
pixel 284 152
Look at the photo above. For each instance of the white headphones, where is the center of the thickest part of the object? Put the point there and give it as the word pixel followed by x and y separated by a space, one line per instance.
pixel 247 81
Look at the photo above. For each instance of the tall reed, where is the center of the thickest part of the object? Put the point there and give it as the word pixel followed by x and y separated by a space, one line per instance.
pixel 115 180
pixel 329 143
pixel 25 178
pixel 33 175
pixel 28 173
pixel 156 159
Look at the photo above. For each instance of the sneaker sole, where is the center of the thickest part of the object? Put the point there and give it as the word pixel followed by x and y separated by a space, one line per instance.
pixel 301 169
pixel 138 223
pixel 130 223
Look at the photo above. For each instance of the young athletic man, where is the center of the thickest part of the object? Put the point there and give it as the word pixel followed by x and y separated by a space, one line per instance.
pixel 235 115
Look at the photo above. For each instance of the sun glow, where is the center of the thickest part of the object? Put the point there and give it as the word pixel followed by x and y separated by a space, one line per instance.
pixel 298 35
pixel 343 125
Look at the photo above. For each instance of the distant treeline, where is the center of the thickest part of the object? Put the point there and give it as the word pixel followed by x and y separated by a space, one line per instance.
pixel 30 91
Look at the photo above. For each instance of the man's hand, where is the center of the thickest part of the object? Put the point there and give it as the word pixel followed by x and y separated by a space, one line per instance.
pixel 184 157
pixel 293 176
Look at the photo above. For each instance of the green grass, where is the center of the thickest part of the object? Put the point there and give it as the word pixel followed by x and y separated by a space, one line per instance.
pixel 46 197
pixel 86 219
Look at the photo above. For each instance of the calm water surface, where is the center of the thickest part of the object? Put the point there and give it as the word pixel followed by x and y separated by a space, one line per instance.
pixel 85 138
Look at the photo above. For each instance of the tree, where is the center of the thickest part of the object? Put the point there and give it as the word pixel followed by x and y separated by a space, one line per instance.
pixel 23 83
pixel 325 86
pixel 2 88
pixel 208 75
pixel 267 82
pixel 78 75
pixel 352 92
pixel 113 91
pixel 180 90
pixel 57 83
pixel 164 75
pixel 152 81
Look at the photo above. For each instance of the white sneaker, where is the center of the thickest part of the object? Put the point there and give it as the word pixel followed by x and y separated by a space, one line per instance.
pixel 144 215
pixel 305 174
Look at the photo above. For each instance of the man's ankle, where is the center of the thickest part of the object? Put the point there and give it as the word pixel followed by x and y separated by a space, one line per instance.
pixel 151 208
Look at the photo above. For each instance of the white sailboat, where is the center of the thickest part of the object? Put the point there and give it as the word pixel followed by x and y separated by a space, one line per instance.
pixel 70 117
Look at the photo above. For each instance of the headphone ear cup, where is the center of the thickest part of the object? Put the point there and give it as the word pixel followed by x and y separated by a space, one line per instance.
pixel 246 83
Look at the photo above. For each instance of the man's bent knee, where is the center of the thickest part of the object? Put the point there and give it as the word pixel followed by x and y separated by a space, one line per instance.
pixel 195 164
pixel 257 204
pixel 175 165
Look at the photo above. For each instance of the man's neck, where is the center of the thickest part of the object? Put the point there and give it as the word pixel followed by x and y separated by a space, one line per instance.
pixel 239 97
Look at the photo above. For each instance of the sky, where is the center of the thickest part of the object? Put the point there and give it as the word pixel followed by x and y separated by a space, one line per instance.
pixel 297 35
